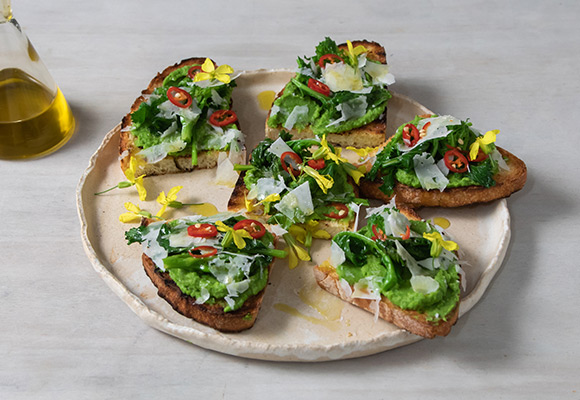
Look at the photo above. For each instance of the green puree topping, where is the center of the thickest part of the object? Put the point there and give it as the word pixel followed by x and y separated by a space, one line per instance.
pixel 423 163
pixel 162 128
pixel 228 277
pixel 358 93
pixel 413 273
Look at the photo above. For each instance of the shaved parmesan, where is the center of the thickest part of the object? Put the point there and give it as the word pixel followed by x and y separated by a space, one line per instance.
pixel 366 289
pixel 341 76
pixel 204 296
pixel 379 73
pixel 297 204
pixel 351 109
pixel 345 288
pixel 424 284
pixel 337 255
pixel 265 187
pixel 159 151
pixel 151 248
pixel 298 114
pixel 496 156
pixel 225 173
pixel 430 176
pixel 279 147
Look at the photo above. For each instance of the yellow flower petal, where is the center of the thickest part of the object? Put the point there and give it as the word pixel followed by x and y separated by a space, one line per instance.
pixel 438 243
pixel 224 69
pixel 249 205
pixel 270 198
pixel 129 217
pixel 202 76
pixel 325 182
pixel 172 194
pixel 207 66
pixel 132 207
pixel 482 142
pixel 140 188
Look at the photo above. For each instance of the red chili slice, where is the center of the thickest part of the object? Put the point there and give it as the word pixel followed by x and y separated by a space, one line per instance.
pixel 202 230
pixel 407 234
pixel 481 156
pixel 379 234
pixel 290 162
pixel 319 87
pixel 410 135
pixel 223 118
pixel 329 59
pixel 255 228
pixel 340 213
pixel 203 252
pixel 316 164
pixel 455 161
pixel 179 97
pixel 193 71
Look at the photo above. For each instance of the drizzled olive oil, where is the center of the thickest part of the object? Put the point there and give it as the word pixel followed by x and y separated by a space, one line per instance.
pixel 34 120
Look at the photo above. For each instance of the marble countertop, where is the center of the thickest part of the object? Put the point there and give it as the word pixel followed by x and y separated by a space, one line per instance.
pixel 505 65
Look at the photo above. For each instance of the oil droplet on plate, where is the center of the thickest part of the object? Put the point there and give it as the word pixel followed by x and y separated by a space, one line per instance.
pixel 442 222
pixel 332 325
pixel 205 209
pixel 265 99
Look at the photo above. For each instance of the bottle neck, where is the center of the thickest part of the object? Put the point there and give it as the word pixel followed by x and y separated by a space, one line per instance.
pixel 5 11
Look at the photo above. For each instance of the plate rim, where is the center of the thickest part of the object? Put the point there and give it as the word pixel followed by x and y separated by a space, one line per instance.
pixel 216 341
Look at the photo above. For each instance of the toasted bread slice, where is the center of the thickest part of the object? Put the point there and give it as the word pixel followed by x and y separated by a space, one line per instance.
pixel 370 135
pixel 412 321
pixel 170 164
pixel 237 203
pixel 212 315
pixel 507 182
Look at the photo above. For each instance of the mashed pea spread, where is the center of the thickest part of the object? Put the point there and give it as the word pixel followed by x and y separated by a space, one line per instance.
pixel 222 259
pixel 409 262
pixel 333 91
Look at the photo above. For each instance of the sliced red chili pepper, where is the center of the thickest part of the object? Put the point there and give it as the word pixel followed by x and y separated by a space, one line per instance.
pixel 290 162
pixel 319 87
pixel 379 234
pixel 202 230
pixel 255 228
pixel 410 135
pixel 455 161
pixel 316 164
pixel 426 125
pixel 193 71
pixel 179 97
pixel 203 252
pixel 481 156
pixel 223 118
pixel 340 213
pixel 407 234
pixel 329 59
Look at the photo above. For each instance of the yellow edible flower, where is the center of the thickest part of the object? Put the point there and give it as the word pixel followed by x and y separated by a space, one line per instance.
pixel 134 214
pixel 169 200
pixel 209 72
pixel 237 235
pixel 250 206
pixel 437 243
pixel 325 182
pixel 363 153
pixel 304 233
pixel 354 52
pixel 131 172
pixel 295 251
pixel 482 142
pixel 325 152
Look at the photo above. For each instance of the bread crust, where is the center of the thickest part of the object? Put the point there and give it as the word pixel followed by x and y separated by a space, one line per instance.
pixel 212 315
pixel 411 321
pixel 507 183
pixel 170 164
pixel 372 134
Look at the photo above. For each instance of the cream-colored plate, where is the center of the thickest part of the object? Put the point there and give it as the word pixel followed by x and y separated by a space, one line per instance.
pixel 298 321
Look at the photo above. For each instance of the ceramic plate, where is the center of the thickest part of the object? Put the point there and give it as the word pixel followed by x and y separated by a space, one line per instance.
pixel 298 321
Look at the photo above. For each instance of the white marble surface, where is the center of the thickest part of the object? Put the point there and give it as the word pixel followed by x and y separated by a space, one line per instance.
pixel 506 65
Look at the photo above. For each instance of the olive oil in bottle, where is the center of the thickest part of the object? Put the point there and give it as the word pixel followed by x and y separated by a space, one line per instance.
pixel 34 121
